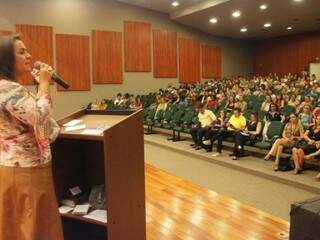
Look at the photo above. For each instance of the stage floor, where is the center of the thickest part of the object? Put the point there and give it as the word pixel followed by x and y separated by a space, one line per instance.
pixel 178 209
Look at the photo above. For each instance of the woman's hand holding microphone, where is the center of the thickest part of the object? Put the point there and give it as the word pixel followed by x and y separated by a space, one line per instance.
pixel 43 77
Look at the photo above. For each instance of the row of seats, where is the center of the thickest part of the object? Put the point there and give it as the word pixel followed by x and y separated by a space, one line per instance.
pixel 181 119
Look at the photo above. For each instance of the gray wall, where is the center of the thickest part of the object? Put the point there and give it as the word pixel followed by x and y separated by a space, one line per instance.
pixel 81 16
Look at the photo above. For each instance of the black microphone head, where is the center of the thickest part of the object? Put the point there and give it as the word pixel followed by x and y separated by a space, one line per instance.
pixel 37 65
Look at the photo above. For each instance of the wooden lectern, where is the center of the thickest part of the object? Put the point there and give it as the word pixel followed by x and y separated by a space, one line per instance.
pixel 116 159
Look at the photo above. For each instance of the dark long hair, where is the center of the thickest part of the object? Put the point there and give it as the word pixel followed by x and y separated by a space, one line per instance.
pixel 7 58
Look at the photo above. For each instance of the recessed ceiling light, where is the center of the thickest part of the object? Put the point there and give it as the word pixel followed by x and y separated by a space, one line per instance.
pixel 243 29
pixel 213 20
pixel 175 4
pixel 236 14
pixel 297 0
pixel 289 28
pixel 267 25
pixel 263 6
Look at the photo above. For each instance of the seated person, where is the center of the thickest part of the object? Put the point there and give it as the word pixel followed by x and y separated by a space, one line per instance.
pixel 272 115
pixel 240 103
pixel 312 155
pixel 161 106
pixel 306 117
pixel 137 102
pixel 118 101
pixel 237 122
pixel 220 123
pixel 265 106
pixel 230 104
pixel 250 133
pixel 309 145
pixel 293 132
pixel 280 101
pixel 206 118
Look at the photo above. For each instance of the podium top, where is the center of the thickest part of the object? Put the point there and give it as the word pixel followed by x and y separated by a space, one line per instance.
pixel 95 125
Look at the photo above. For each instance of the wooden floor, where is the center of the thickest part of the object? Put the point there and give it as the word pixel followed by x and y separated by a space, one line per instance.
pixel 178 209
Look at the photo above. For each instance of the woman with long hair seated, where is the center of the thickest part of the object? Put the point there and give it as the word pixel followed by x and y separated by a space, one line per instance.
pixel 272 115
pixel 312 140
pixel 251 132
pixel 293 132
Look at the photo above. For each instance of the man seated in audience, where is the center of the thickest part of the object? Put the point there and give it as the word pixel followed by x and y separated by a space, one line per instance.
pixel 237 122
pixel 219 125
pixel 206 118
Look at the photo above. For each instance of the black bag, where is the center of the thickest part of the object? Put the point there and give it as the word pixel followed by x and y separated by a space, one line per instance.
pixel 285 164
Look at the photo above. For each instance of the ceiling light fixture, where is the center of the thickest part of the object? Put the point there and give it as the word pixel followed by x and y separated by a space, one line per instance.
pixel 243 29
pixel 236 14
pixel 213 20
pixel 267 25
pixel 263 6
pixel 175 4
pixel 289 28
pixel 297 0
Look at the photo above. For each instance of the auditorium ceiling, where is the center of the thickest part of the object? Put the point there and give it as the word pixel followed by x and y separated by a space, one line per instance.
pixel 251 20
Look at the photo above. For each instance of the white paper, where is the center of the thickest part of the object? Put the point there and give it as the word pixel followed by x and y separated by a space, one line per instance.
pixel 81 209
pixel 75 190
pixel 72 123
pixel 98 215
pixel 65 209
pixel 92 131
pixel 74 128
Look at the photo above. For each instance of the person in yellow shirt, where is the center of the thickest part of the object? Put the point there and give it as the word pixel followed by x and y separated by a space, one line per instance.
pixel 206 119
pixel 236 123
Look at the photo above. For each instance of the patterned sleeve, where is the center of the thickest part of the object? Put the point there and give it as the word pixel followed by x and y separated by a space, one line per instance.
pixel 21 104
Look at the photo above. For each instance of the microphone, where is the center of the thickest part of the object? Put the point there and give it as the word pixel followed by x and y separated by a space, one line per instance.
pixel 54 77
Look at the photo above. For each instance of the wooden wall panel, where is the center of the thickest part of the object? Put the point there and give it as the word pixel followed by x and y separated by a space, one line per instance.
pixel 107 57
pixel 72 52
pixel 5 33
pixel 39 42
pixel 286 54
pixel 211 61
pixel 164 54
pixel 189 60
pixel 137 43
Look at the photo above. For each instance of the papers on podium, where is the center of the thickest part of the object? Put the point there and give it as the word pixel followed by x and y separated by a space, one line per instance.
pixel 98 215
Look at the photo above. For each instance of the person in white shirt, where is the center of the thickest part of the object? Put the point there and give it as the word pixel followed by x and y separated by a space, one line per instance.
pixel 118 101
pixel 206 119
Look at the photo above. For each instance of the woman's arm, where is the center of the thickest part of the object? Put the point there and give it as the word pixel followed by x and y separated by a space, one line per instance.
pixel 28 109
pixel 258 129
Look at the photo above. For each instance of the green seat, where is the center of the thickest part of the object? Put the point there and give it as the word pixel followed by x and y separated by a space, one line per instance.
pixel 194 121
pixel 158 117
pixel 274 131
pixel 165 123
pixel 145 113
pixel 287 110
pixel 150 117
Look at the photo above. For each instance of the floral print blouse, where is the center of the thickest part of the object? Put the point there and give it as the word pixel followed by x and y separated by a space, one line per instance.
pixel 25 120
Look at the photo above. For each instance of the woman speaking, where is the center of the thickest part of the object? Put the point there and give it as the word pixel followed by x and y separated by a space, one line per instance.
pixel 28 206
